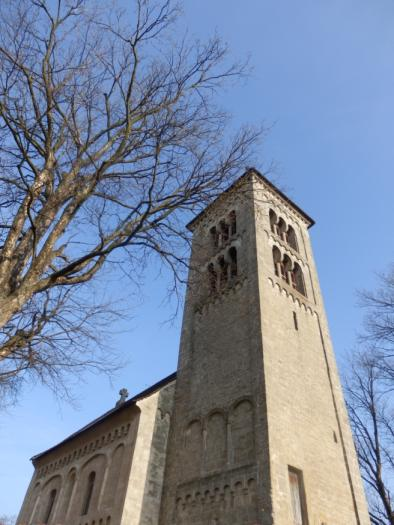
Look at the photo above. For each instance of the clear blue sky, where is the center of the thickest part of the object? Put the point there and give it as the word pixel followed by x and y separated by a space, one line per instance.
pixel 324 76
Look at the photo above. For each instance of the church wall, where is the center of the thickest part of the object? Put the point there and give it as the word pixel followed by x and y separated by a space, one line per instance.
pixel 145 481
pixel 125 452
pixel 107 450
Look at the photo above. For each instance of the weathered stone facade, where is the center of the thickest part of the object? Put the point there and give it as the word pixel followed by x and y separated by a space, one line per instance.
pixel 126 451
pixel 258 400
pixel 259 432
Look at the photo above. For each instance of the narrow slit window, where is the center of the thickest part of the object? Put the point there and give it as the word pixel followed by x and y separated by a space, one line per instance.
pixel 295 320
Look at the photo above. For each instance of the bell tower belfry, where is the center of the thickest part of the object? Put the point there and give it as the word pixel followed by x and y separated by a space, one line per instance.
pixel 260 434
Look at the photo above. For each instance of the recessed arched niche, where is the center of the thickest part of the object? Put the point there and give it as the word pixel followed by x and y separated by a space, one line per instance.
pixel 192 449
pixel 242 432
pixel 112 479
pixel 216 442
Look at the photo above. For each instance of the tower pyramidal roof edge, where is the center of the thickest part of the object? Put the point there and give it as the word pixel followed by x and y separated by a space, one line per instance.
pixel 251 171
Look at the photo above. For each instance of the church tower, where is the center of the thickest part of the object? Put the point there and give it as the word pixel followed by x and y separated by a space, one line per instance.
pixel 259 434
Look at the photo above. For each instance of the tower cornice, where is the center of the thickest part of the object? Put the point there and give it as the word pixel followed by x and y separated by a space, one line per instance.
pixel 248 173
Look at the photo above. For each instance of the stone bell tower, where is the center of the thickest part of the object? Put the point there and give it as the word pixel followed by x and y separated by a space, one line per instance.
pixel 260 434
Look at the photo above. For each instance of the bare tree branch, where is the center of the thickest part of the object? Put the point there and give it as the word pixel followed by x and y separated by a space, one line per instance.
pixel 110 139
pixel 371 410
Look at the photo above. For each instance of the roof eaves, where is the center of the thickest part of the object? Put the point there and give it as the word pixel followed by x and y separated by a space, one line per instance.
pixel 270 184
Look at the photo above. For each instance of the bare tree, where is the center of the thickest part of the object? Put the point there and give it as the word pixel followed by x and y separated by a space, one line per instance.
pixel 370 399
pixel 379 322
pixel 110 136
pixel 371 411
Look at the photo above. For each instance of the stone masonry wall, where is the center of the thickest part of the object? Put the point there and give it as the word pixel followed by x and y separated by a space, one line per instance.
pixel 106 449
pixel 258 396
pixel 218 453
pixel 308 428
pixel 126 451
pixel 145 480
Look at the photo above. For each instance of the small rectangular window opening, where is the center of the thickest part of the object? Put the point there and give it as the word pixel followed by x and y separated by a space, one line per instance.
pixel 295 320
pixel 297 494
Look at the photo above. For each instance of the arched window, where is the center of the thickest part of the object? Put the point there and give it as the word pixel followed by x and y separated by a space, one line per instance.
pixel 276 255
pixel 286 268
pixel 88 493
pixel 292 238
pixel 281 229
pixel 299 279
pixel 223 265
pixel 233 261
pixel 51 503
pixel 213 278
pixel 224 231
pixel 214 236
pixel 292 279
pixel 233 222
pixel 273 220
